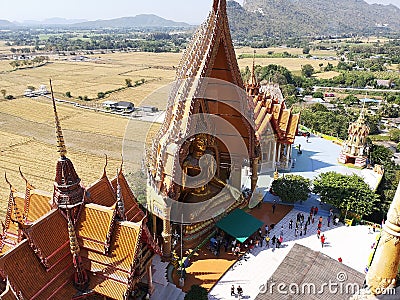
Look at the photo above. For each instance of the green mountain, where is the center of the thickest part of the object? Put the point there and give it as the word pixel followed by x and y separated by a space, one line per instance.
pixel 293 18
pixel 142 21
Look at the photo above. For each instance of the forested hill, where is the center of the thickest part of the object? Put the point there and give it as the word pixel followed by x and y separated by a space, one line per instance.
pixel 143 21
pixel 5 24
pixel 291 18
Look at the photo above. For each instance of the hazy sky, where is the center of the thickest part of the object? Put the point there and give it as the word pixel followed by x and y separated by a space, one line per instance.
pixel 190 11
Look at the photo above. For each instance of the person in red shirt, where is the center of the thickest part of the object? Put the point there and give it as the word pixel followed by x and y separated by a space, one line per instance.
pixel 318 233
pixel 323 240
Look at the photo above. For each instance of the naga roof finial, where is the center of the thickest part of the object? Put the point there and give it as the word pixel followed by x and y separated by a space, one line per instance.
pixel 24 178
pixel 105 167
pixel 60 138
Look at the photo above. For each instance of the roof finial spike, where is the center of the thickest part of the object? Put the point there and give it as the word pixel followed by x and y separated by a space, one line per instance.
pixel 8 182
pixel 122 164
pixel 30 186
pixel 105 167
pixel 60 139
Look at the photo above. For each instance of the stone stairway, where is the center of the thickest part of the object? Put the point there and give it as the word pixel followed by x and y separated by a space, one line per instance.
pixel 168 292
pixel 164 290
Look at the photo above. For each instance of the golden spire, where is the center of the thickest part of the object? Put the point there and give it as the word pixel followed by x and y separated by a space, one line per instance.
pixel 384 268
pixel 60 139
pixel 73 243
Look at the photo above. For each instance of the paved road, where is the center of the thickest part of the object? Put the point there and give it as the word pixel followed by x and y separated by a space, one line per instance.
pixel 355 89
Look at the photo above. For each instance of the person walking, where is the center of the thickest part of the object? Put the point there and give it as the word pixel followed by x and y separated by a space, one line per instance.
pixel 273 208
pixel 296 232
pixel 282 230
pixel 226 244
pixel 290 224
pixel 315 211
pixel 233 290
pixel 240 291
pixel 305 229
pixel 323 240
pixel 266 229
pixel 301 230
pixel 267 238
pixel 273 240
pixel 329 221
pixel 318 233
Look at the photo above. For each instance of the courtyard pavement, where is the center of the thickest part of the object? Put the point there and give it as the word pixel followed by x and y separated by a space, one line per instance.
pixel 352 244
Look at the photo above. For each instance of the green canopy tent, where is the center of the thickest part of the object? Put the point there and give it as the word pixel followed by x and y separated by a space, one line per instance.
pixel 239 224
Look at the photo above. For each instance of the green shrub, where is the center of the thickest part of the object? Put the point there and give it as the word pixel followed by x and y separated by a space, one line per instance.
pixel 196 292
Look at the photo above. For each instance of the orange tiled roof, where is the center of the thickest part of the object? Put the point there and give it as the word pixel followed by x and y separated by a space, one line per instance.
pixel 102 193
pixel 123 248
pixel 108 288
pixel 49 247
pixel 29 277
pixel 93 226
pixel 39 204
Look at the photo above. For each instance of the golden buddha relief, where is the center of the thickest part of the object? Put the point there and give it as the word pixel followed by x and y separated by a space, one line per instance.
pixel 201 168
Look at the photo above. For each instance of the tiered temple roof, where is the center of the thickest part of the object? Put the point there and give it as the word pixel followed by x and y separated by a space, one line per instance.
pixel 85 238
pixel 208 82
pixel 270 108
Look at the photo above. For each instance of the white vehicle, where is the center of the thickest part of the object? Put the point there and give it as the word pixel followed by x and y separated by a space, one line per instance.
pixel 42 90
pixel 29 93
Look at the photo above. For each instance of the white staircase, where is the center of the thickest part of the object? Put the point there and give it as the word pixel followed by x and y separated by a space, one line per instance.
pixel 163 290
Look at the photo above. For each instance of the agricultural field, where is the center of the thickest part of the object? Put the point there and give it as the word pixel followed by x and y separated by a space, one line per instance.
pixel 293 51
pixel 292 64
pixel 326 75
pixel 28 140
pixel 100 73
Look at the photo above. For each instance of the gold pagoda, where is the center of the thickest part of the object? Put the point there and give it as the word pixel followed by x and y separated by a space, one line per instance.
pixel 354 150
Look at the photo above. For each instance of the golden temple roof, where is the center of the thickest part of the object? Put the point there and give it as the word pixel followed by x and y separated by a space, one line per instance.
pixel 270 108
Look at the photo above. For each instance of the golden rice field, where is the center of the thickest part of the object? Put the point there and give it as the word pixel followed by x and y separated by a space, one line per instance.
pixel 103 73
pixel 292 64
pixel 327 75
